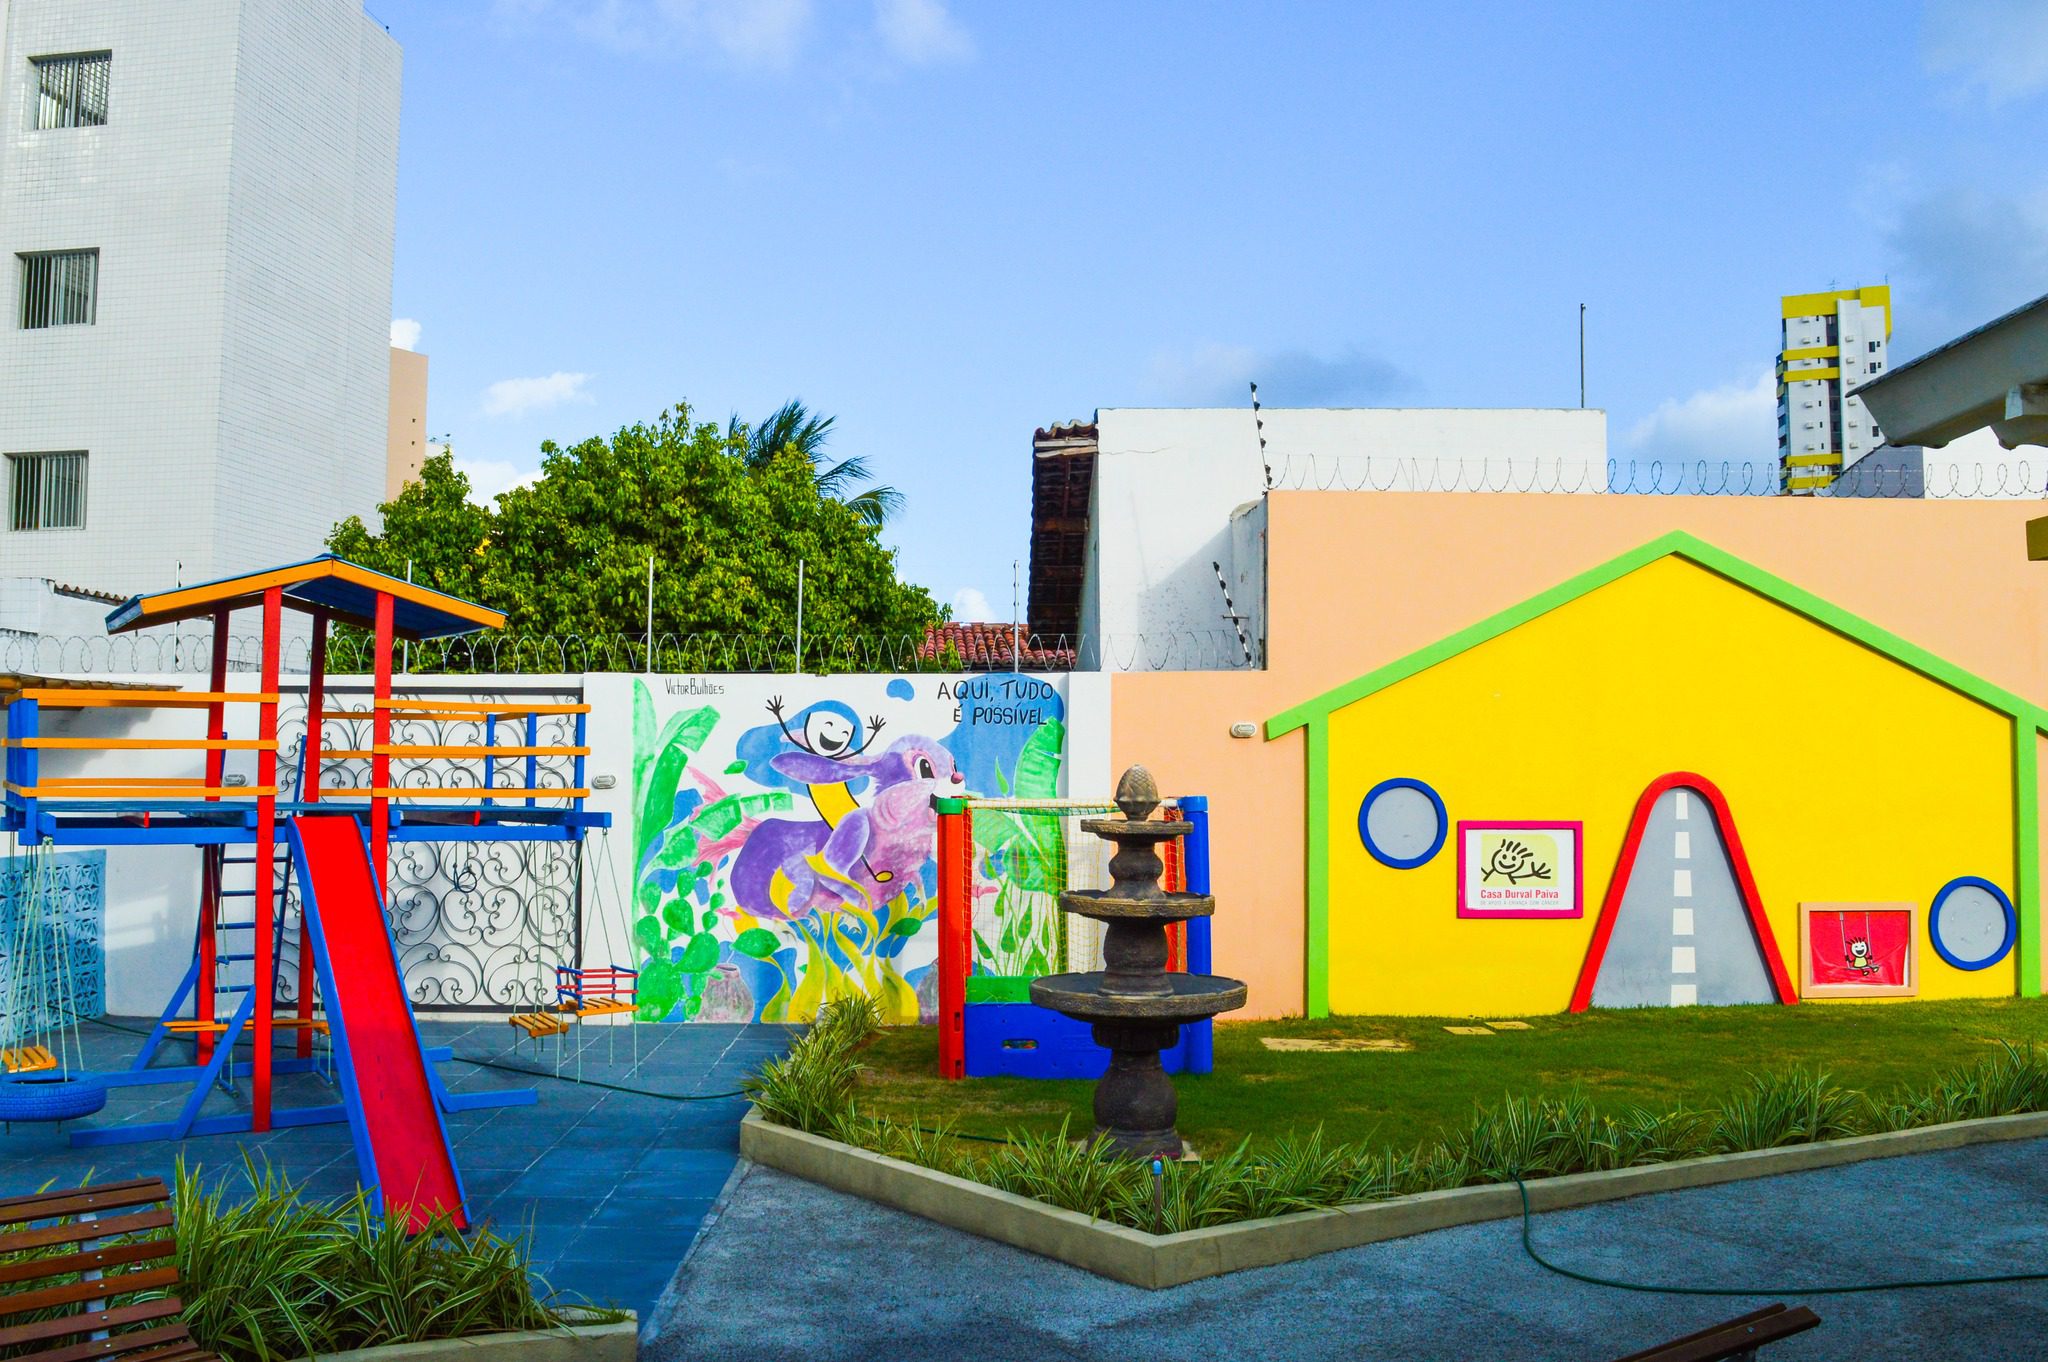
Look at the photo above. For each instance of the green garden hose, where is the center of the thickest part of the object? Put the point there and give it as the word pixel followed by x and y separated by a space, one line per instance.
pixel 1772 1289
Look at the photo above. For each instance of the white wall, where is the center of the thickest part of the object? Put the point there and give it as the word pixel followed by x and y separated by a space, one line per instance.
pixel 152 892
pixel 231 394
pixel 1167 482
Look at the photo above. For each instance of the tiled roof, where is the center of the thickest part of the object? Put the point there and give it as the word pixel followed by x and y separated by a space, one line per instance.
pixel 86 593
pixel 1062 479
pixel 992 647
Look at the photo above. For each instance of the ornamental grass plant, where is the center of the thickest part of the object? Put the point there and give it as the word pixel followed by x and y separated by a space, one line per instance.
pixel 814 1088
pixel 267 1273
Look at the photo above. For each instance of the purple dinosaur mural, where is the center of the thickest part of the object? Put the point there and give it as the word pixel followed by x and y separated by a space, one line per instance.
pixel 865 848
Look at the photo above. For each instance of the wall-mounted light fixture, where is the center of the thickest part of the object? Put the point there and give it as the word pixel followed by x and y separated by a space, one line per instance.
pixel 603 782
pixel 234 780
pixel 1244 730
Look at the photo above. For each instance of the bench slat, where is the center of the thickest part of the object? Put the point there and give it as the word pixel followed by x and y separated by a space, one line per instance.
pixel 111 1347
pixel 93 1260
pixel 103 1288
pixel 82 1231
pixel 84 1200
pixel 1732 1338
pixel 85 1323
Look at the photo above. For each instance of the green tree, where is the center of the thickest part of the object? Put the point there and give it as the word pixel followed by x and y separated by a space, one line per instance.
pixel 725 518
pixel 795 426
pixel 430 527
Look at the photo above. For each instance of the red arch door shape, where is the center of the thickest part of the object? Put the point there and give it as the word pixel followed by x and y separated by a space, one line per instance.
pixel 1624 866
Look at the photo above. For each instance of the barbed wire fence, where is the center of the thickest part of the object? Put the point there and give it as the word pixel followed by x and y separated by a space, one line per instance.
pixel 191 653
pixel 1921 480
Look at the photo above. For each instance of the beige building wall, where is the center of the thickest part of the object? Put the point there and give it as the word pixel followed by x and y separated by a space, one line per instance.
pixel 1357 580
pixel 406 446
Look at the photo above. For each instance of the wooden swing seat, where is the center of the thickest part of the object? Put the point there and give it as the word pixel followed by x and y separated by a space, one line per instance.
pixel 185 1026
pixel 596 1007
pixel 28 1059
pixel 538 1024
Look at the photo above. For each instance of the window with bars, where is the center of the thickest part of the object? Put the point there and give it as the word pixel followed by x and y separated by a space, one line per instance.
pixel 46 491
pixel 71 92
pixel 59 288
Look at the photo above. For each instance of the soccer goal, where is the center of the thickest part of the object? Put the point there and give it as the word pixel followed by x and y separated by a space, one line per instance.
pixel 1003 864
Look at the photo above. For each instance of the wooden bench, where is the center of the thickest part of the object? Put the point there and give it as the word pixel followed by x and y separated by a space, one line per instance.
pixel 81 1236
pixel 1734 1340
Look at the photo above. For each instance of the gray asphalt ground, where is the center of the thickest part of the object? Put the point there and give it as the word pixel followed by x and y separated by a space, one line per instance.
pixel 787 1269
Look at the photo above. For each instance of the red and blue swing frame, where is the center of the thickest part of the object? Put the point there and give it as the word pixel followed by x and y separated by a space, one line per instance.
pixel 208 813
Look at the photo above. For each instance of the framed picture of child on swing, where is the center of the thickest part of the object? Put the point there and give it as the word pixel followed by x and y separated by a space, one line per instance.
pixel 1858 950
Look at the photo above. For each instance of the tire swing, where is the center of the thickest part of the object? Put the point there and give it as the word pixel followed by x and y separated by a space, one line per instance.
pixel 39 1024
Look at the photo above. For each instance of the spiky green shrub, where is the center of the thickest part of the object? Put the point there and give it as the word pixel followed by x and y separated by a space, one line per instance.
pixel 1516 1138
pixel 267 1273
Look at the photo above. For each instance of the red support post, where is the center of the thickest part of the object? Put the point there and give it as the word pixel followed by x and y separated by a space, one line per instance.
pixel 210 875
pixel 380 743
pixel 265 864
pixel 956 932
pixel 316 701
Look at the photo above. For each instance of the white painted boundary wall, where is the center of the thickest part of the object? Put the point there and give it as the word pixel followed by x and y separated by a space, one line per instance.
pixel 152 892
pixel 1169 480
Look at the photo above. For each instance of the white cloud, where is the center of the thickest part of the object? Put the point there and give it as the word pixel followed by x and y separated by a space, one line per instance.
pixel 489 477
pixel 1961 256
pixel 518 396
pixel 754 33
pixel 922 32
pixel 1997 46
pixel 405 334
pixel 1217 376
pixel 1717 439
pixel 971 606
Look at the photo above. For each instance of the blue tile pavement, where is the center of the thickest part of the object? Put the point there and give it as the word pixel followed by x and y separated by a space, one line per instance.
pixel 611 1186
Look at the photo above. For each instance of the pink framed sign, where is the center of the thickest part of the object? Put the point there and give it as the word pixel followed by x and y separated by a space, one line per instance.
pixel 1521 869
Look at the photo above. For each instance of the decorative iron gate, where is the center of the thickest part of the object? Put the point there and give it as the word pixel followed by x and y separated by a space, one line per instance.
pixel 479 925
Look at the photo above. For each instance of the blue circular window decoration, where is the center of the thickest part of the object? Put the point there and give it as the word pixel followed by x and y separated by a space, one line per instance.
pixel 1402 823
pixel 1972 924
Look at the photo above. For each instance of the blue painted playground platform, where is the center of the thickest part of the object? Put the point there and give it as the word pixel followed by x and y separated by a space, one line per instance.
pixel 610 1186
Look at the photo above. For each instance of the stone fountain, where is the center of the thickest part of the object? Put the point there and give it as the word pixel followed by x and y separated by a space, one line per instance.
pixel 1136 1005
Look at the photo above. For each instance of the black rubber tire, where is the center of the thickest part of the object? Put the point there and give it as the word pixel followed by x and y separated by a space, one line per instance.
pixel 50 1099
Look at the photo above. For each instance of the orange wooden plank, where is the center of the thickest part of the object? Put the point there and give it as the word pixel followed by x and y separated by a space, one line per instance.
pixel 475 792
pixel 152 744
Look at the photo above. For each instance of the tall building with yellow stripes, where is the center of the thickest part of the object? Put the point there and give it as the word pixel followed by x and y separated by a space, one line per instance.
pixel 1831 343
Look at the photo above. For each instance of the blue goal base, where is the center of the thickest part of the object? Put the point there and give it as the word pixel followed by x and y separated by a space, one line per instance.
pixel 1024 1040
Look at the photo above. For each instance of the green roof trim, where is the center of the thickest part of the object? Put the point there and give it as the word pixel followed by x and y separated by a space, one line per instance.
pixel 1676 544
pixel 2028 719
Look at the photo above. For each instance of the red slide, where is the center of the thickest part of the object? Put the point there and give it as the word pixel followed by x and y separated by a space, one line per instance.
pixel 384 1075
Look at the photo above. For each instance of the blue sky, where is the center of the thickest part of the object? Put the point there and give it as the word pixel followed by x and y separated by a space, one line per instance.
pixel 948 223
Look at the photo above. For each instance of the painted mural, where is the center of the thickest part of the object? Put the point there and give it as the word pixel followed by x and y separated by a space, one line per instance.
pixel 783 834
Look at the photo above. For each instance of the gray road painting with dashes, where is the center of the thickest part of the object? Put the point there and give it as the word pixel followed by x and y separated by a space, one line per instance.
pixel 1681 935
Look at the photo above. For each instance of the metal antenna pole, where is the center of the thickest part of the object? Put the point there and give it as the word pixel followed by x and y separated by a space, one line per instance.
pixel 1582 356
pixel 1016 627
pixel 799 617
pixel 650 614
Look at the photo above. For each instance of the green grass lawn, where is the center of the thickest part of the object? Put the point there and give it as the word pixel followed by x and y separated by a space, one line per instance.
pixel 1652 1057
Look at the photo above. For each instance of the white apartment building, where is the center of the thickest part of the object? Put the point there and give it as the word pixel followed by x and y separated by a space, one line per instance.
pixel 1831 343
pixel 197 201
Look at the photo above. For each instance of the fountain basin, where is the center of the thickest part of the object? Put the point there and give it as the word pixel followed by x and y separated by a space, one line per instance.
pixel 1191 997
pixel 1106 904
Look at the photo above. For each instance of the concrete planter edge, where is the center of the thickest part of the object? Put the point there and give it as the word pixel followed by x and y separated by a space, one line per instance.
pixel 618 1342
pixel 1157 1261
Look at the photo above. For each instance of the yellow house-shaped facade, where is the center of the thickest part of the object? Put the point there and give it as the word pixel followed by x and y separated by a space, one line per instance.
pixel 1675 778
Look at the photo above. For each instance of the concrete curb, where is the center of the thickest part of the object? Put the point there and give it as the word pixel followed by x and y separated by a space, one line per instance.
pixel 578 1343
pixel 1156 1261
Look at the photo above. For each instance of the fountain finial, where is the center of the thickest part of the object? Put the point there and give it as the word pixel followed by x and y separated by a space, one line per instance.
pixel 1137 794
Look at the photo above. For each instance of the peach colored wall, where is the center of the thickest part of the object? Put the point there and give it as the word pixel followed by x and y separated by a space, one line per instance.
pixel 1358 579
pixel 405 447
